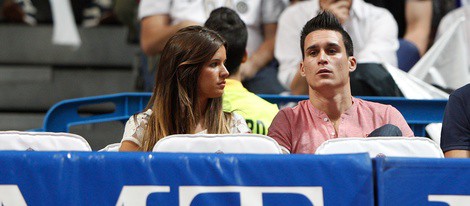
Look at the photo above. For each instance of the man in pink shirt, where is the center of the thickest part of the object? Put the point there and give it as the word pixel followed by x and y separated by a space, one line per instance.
pixel 331 111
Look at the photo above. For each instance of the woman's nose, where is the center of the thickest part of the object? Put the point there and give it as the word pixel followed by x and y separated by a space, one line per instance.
pixel 224 72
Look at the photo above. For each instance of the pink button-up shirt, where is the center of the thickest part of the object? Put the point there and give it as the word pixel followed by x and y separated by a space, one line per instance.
pixel 303 128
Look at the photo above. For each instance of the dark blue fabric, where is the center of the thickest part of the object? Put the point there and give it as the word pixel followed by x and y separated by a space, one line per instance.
pixel 388 130
pixel 455 134
pixel 407 55
pixel 265 81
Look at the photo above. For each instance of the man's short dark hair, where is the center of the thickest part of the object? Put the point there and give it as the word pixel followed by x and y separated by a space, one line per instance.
pixel 326 21
pixel 228 24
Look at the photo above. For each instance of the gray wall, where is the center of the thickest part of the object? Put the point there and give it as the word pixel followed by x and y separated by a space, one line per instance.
pixel 34 74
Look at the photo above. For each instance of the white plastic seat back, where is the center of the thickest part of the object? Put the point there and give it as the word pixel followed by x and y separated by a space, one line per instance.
pixel 42 141
pixel 111 148
pixel 218 143
pixel 434 131
pixel 383 146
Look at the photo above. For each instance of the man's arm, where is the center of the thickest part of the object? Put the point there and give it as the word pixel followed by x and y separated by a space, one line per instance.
pixel 280 131
pixel 418 14
pixel 455 134
pixel 155 32
pixel 396 118
pixel 457 154
pixel 263 55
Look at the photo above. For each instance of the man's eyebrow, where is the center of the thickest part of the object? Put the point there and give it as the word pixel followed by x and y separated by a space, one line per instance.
pixel 311 47
pixel 333 44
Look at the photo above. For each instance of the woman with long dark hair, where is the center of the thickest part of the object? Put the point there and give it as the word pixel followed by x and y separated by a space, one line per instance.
pixel 187 97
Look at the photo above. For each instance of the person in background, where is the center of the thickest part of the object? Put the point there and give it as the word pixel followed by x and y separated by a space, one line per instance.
pixel 417 19
pixel 187 97
pixel 161 19
pixel 455 134
pixel 373 31
pixel 258 112
pixel 331 111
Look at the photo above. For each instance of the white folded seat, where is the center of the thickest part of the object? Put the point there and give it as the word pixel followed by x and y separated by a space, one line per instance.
pixel 42 141
pixel 218 143
pixel 383 146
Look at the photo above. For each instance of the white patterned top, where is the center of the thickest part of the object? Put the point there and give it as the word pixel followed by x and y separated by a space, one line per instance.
pixel 135 128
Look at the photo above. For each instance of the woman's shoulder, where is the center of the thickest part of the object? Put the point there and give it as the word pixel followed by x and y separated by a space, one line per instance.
pixel 135 126
pixel 238 124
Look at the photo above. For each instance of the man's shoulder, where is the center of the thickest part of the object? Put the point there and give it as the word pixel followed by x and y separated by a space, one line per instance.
pixel 459 97
pixel 249 105
pixel 248 99
pixel 302 106
pixel 372 106
pixel 462 92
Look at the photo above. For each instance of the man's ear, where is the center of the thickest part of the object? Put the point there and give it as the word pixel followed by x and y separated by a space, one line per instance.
pixel 352 63
pixel 245 57
pixel 302 69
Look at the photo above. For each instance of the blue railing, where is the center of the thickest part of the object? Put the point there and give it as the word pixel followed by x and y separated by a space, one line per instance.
pixel 65 114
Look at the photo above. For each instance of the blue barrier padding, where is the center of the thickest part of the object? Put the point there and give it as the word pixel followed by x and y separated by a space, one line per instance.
pixel 417 181
pixel 92 178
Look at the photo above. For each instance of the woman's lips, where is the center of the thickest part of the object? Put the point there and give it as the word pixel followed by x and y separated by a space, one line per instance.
pixel 222 83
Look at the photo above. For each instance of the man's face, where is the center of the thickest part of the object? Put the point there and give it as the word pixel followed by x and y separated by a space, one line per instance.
pixel 340 8
pixel 326 64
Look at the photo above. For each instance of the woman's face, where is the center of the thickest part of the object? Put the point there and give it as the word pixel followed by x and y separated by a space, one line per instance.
pixel 211 81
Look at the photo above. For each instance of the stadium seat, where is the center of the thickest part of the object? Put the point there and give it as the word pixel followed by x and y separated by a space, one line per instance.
pixel 218 143
pixel 66 114
pixel 42 141
pixel 383 146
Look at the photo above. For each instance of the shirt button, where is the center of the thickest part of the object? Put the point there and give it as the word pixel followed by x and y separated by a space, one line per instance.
pixel 333 134
pixel 325 119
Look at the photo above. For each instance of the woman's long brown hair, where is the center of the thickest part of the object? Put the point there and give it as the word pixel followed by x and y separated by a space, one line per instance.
pixel 174 101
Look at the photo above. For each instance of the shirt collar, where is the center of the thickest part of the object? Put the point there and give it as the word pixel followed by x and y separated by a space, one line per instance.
pixel 233 85
pixel 322 114
pixel 233 82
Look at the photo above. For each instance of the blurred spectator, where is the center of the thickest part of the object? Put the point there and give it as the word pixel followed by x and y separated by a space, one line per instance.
pixel 417 19
pixel 373 31
pixel 161 19
pixel 126 13
pixel 257 112
pixel 89 13
pixel 19 11
pixel 98 12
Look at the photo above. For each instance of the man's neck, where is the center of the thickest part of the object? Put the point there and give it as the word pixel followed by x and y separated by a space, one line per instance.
pixel 237 76
pixel 333 103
